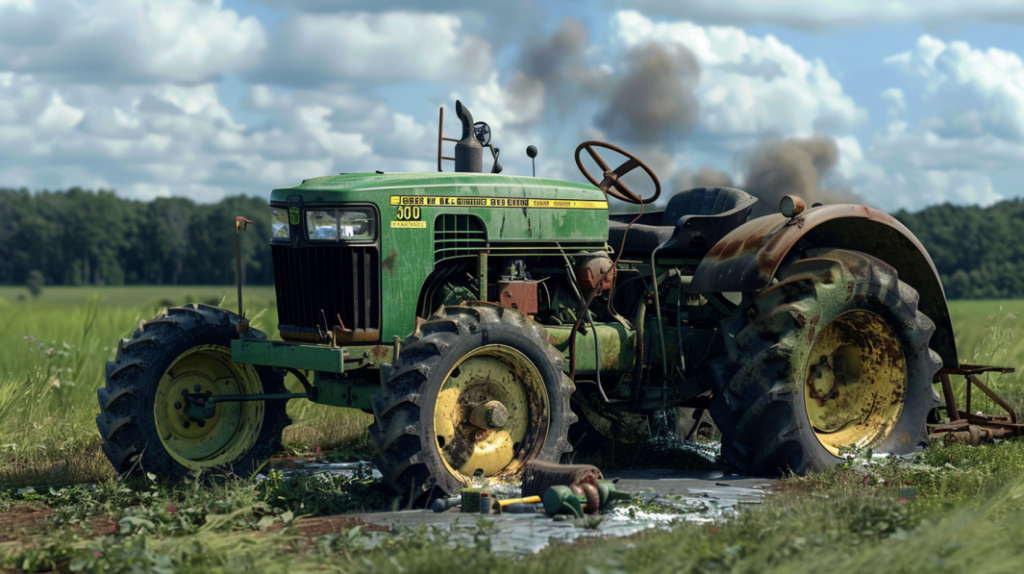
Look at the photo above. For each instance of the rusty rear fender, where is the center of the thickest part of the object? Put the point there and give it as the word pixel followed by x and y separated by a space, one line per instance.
pixel 747 258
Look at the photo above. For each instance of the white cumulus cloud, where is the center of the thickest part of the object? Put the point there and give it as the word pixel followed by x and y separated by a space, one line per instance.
pixel 751 85
pixel 819 14
pixel 392 46
pixel 128 40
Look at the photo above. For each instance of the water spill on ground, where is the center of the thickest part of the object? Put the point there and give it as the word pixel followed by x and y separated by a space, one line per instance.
pixel 666 497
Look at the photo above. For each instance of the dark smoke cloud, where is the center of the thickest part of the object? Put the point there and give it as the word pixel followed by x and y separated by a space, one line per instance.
pixel 654 100
pixel 793 166
pixel 708 176
pixel 559 62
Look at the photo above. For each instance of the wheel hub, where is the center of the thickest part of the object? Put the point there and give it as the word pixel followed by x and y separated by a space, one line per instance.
pixel 215 436
pixel 855 381
pixel 491 413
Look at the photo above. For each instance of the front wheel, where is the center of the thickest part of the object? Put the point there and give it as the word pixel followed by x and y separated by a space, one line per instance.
pixel 832 358
pixel 478 395
pixel 143 420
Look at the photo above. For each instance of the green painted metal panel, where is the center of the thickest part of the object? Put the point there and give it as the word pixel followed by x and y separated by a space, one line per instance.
pixel 344 393
pixel 518 214
pixel 288 355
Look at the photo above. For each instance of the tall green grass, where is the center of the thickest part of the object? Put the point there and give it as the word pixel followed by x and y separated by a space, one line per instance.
pixel 52 356
pixel 53 350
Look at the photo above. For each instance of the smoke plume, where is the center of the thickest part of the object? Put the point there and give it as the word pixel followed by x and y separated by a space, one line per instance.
pixel 793 166
pixel 653 102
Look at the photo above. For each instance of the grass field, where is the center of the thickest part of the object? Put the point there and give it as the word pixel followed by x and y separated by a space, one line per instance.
pixel 963 510
pixel 52 352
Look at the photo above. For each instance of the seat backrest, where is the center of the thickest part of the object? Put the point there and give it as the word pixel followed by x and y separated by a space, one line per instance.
pixel 704 201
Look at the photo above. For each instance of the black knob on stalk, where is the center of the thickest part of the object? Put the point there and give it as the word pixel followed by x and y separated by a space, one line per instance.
pixel 532 152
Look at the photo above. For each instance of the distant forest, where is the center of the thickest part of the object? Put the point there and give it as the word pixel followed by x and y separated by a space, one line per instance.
pixel 78 237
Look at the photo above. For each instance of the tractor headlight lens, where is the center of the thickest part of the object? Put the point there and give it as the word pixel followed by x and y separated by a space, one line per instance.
pixel 322 225
pixel 350 224
pixel 356 224
pixel 278 223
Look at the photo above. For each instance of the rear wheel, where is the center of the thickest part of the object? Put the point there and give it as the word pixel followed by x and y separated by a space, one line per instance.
pixel 143 420
pixel 834 356
pixel 479 394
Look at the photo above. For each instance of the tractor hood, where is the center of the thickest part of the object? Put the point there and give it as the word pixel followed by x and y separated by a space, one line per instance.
pixel 507 208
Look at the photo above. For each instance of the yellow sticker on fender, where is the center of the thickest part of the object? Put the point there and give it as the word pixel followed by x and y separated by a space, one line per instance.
pixel 455 201
pixel 417 224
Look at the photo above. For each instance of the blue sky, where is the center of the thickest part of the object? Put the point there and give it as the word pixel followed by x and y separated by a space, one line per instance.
pixel 893 103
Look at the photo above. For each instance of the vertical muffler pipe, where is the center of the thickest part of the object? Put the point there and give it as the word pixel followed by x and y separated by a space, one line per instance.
pixel 469 154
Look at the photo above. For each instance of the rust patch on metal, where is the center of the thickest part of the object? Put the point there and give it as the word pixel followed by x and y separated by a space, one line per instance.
pixel 379 351
pixel 390 261
pixel 518 295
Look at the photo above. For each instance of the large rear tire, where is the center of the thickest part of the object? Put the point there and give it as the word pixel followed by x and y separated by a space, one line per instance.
pixel 833 356
pixel 437 422
pixel 142 421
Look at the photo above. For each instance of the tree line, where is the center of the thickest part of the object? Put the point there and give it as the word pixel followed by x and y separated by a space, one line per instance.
pixel 79 237
pixel 978 251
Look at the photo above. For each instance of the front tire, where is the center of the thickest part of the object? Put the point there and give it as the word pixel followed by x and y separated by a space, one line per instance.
pixel 142 422
pixel 832 357
pixel 429 427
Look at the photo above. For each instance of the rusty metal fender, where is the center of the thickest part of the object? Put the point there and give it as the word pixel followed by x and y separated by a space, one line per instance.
pixel 747 258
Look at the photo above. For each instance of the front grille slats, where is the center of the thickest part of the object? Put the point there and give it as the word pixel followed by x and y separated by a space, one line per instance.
pixel 318 282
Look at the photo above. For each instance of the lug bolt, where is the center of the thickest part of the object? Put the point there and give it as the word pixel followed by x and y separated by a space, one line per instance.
pixel 186 424
pixel 198 388
pixel 184 392
pixel 201 423
pixel 177 405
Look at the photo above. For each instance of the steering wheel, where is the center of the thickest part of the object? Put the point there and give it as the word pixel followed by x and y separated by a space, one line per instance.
pixel 612 182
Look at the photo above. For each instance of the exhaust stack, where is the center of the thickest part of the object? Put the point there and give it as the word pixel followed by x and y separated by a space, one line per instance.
pixel 469 154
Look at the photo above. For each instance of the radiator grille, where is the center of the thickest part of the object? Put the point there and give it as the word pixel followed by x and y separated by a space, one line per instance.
pixel 458 236
pixel 318 282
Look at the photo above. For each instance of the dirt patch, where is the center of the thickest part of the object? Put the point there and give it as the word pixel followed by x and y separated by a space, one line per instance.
pixel 321 525
pixel 21 518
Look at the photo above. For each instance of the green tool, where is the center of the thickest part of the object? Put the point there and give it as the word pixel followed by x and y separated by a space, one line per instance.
pixel 562 500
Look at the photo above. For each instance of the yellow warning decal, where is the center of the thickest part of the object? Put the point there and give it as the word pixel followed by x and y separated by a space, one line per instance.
pixel 454 201
pixel 417 224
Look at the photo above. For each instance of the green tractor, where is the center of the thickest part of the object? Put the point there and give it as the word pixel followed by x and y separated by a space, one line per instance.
pixel 479 317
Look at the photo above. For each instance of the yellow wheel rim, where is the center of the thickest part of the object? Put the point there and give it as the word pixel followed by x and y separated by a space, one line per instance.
pixel 491 414
pixel 234 427
pixel 856 382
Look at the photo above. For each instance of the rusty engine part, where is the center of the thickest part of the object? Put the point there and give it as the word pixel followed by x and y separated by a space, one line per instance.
pixel 519 295
pixel 594 272
pixel 516 290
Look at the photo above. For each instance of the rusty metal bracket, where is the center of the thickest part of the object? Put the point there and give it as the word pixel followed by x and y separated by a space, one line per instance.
pixel 965 426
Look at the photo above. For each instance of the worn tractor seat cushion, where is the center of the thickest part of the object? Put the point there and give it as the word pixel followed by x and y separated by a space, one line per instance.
pixel 698 202
pixel 641 238
pixel 703 201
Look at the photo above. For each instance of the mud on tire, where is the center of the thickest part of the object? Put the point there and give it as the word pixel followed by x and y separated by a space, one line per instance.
pixel 403 431
pixel 127 419
pixel 760 401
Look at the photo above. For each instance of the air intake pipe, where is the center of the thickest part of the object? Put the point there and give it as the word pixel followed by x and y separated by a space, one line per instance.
pixel 469 154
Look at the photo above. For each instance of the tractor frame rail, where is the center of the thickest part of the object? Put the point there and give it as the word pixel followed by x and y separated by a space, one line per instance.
pixel 969 427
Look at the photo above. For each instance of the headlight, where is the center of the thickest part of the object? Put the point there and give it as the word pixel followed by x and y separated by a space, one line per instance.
pixel 322 225
pixel 278 223
pixel 351 224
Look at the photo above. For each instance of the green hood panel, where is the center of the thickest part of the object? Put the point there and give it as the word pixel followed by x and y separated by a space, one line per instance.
pixel 512 216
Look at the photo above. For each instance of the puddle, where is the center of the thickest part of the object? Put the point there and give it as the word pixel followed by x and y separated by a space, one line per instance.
pixel 700 496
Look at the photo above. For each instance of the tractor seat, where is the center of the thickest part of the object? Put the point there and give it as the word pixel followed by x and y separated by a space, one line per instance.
pixel 693 221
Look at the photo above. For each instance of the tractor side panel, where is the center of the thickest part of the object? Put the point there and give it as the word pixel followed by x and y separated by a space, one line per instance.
pixel 516 219
pixel 746 259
